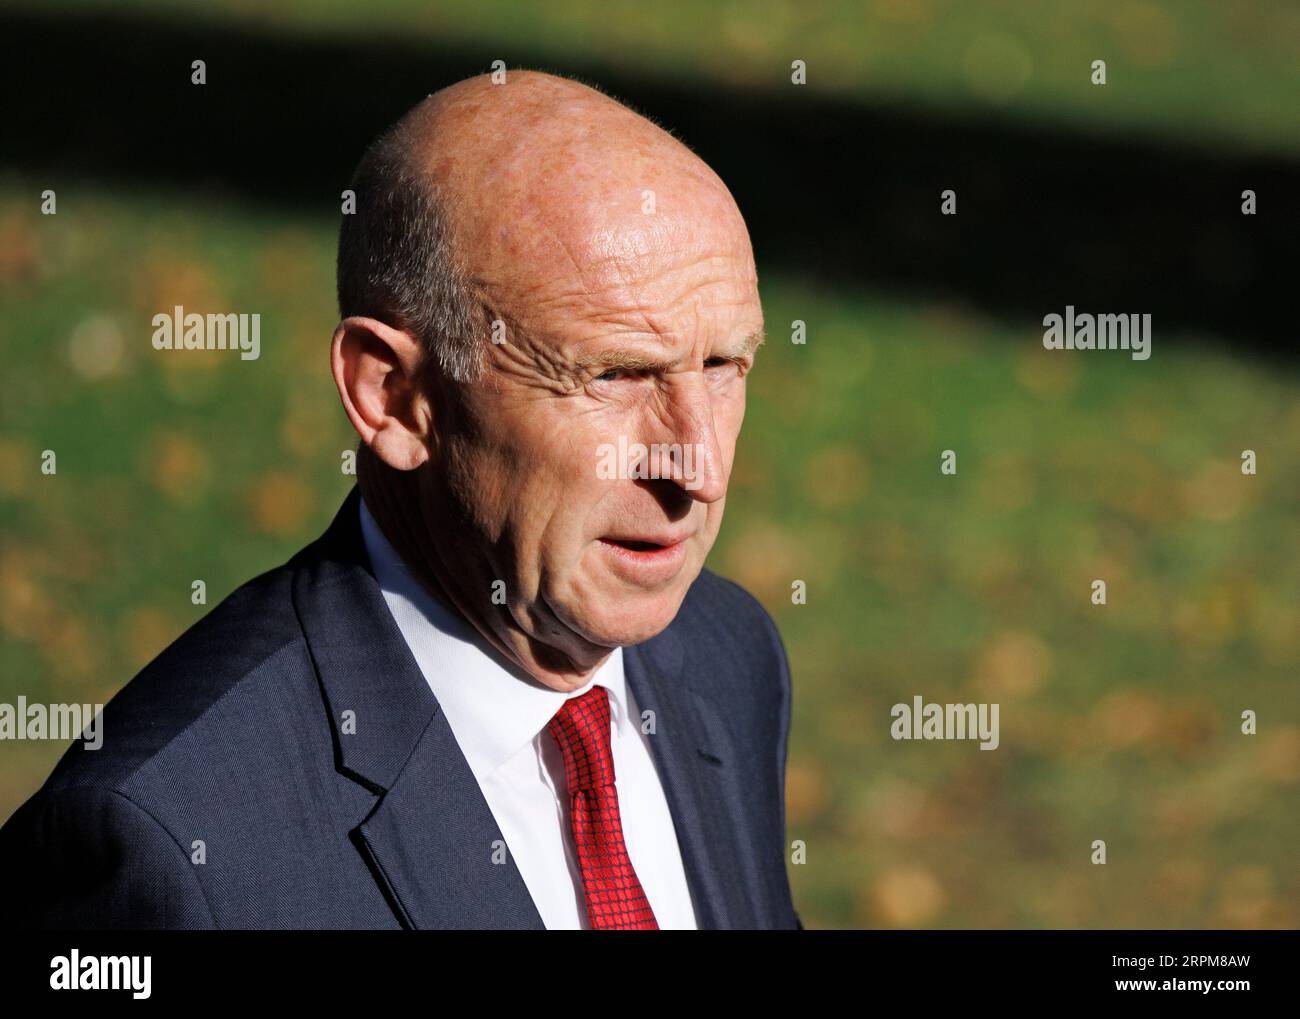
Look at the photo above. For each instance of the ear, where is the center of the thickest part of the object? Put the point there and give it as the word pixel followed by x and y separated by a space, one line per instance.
pixel 377 371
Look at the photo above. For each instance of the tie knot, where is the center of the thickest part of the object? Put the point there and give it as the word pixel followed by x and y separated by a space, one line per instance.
pixel 581 728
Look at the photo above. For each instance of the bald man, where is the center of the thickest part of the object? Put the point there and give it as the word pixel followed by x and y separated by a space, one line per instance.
pixel 501 690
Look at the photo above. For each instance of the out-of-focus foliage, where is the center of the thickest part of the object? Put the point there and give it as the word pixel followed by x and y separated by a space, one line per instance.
pixel 1117 722
pixel 1193 69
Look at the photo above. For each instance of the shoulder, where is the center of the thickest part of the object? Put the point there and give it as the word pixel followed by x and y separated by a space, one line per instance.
pixel 723 623
pixel 235 653
pixel 103 839
pixel 721 608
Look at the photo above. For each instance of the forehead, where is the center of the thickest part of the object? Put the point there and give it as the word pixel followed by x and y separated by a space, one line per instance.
pixel 667 275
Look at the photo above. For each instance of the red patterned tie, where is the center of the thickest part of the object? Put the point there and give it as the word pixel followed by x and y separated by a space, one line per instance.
pixel 615 899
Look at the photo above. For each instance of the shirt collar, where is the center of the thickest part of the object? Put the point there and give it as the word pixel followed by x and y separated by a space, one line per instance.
pixel 494 708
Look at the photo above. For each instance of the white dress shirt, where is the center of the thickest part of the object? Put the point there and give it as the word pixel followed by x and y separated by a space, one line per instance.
pixel 498 715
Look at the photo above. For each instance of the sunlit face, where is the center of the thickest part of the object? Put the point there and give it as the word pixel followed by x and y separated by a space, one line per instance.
pixel 640 332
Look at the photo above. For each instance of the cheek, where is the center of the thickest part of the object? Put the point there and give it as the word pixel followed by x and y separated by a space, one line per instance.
pixel 712 525
pixel 557 491
pixel 470 474
pixel 728 415
pixel 509 491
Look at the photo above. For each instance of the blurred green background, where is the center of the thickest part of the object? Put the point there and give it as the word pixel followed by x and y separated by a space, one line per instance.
pixel 1118 722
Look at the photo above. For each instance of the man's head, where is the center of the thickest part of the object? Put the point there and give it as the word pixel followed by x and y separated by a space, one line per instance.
pixel 538 281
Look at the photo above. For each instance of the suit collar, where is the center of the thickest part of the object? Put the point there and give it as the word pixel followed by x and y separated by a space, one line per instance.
pixel 693 755
pixel 364 666
pixel 430 840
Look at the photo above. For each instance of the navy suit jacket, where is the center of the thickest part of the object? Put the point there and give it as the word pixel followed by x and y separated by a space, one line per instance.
pixel 228 794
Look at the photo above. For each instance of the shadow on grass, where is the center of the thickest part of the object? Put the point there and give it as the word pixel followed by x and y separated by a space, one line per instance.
pixel 834 191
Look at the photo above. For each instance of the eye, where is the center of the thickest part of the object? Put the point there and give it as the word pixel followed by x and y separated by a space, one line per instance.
pixel 620 375
pixel 724 362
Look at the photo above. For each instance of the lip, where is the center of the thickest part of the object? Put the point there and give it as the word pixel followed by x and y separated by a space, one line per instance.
pixel 645 566
pixel 663 538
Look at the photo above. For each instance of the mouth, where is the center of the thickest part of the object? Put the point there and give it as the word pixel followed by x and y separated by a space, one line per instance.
pixel 653 541
pixel 638 546
pixel 646 559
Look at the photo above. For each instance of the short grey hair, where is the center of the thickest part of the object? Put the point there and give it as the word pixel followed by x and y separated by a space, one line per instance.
pixel 397 264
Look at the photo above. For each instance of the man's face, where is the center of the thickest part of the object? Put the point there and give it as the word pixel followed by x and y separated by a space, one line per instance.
pixel 639 332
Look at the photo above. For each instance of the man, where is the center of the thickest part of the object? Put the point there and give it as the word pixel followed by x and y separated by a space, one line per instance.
pixel 500 691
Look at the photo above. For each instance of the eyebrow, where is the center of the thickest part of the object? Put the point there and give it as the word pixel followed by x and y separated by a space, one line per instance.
pixel 634 360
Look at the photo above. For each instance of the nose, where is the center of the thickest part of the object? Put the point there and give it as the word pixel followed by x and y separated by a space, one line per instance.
pixel 700 470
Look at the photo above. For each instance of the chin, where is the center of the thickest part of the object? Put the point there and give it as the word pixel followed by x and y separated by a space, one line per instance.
pixel 620 617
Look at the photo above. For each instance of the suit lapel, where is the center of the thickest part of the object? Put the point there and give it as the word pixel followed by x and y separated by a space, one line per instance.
pixel 431 839
pixel 692 753
pixel 434 841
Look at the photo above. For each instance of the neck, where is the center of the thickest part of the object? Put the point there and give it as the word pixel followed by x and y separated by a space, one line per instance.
pixel 406 506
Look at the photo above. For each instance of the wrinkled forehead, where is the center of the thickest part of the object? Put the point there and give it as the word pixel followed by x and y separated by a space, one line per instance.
pixel 667 283
pixel 642 241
